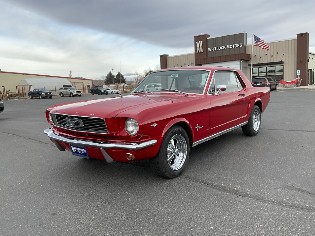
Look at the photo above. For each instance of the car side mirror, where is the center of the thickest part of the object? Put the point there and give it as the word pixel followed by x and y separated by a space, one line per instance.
pixel 219 88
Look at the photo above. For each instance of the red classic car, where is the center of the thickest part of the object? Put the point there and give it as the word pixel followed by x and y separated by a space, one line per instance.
pixel 187 107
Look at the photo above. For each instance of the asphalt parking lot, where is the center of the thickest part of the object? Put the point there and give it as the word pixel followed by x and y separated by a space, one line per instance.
pixel 233 185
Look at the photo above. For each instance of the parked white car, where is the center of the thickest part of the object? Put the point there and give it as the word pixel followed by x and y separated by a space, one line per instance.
pixel 69 91
pixel 112 91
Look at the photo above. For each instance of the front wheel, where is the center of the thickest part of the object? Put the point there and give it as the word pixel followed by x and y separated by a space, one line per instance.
pixel 70 94
pixel 254 121
pixel 173 155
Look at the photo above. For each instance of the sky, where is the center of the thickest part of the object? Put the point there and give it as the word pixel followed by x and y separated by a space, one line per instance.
pixel 90 38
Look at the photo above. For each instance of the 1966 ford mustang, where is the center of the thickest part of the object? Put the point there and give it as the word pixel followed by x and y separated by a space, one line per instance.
pixel 187 107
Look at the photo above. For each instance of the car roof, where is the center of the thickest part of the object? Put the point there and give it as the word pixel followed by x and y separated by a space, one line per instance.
pixel 200 68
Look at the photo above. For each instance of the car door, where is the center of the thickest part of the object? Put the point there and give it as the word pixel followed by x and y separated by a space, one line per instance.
pixel 228 103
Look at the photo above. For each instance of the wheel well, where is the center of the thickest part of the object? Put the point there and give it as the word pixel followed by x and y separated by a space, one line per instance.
pixel 186 127
pixel 259 104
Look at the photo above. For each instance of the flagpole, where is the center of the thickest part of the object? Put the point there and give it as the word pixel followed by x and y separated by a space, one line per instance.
pixel 251 59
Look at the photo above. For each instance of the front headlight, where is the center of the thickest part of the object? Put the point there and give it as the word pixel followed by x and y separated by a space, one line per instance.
pixel 131 126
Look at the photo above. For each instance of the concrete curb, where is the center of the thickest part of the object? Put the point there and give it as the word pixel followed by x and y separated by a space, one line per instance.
pixel 300 87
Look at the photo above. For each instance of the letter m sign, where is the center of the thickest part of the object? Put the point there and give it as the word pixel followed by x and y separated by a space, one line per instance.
pixel 199 47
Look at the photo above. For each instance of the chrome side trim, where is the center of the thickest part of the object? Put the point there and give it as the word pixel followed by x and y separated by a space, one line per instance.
pixel 218 134
pixel 130 146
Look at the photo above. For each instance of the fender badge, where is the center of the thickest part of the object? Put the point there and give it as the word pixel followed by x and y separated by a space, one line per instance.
pixel 198 127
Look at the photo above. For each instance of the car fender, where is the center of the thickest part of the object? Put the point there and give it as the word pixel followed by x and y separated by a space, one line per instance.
pixel 257 101
pixel 180 121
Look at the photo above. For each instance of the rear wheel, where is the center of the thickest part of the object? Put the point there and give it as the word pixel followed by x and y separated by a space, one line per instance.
pixel 173 155
pixel 71 95
pixel 61 94
pixel 254 121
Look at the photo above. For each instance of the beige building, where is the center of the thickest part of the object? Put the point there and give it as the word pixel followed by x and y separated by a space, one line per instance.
pixel 12 82
pixel 286 59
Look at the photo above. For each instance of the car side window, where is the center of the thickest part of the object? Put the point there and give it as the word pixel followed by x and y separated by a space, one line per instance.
pixel 225 81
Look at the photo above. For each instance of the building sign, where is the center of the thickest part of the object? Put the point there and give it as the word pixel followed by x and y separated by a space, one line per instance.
pixel 227 45
pixel 199 47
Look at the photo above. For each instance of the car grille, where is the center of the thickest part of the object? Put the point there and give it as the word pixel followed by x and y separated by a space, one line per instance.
pixel 80 123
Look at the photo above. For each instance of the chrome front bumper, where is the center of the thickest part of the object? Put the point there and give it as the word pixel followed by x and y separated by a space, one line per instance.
pixel 128 146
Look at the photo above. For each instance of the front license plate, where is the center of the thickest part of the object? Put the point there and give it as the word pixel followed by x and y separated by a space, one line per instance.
pixel 79 151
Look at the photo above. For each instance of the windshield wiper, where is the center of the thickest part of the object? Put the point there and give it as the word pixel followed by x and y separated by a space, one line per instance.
pixel 173 90
pixel 141 91
pixel 170 90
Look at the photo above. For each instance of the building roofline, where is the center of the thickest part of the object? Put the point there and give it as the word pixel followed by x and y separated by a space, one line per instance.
pixel 55 76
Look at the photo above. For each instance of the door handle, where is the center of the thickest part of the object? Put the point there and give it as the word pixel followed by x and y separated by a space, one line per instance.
pixel 241 95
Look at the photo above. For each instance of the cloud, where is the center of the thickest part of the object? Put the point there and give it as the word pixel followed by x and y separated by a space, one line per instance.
pixel 172 23
pixel 91 37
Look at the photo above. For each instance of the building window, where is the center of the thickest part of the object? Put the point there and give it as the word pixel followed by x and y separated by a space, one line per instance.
pixel 271 70
pixel 279 73
pixel 255 71
pixel 275 72
pixel 262 71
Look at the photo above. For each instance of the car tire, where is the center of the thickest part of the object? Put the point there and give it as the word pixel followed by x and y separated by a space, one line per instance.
pixel 70 94
pixel 173 154
pixel 40 97
pixel 253 126
pixel 31 97
pixel 61 94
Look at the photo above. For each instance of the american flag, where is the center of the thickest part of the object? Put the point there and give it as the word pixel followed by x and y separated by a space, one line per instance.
pixel 260 43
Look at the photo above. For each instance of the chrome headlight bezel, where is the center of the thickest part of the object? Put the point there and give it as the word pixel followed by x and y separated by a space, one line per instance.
pixel 131 126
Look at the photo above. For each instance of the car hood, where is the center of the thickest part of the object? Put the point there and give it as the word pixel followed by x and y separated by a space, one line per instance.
pixel 128 106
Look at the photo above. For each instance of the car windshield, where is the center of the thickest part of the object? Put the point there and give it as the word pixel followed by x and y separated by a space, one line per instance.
pixel 187 81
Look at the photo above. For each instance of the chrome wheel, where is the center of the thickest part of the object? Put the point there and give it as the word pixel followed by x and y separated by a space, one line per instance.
pixel 256 119
pixel 176 152
pixel 253 125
